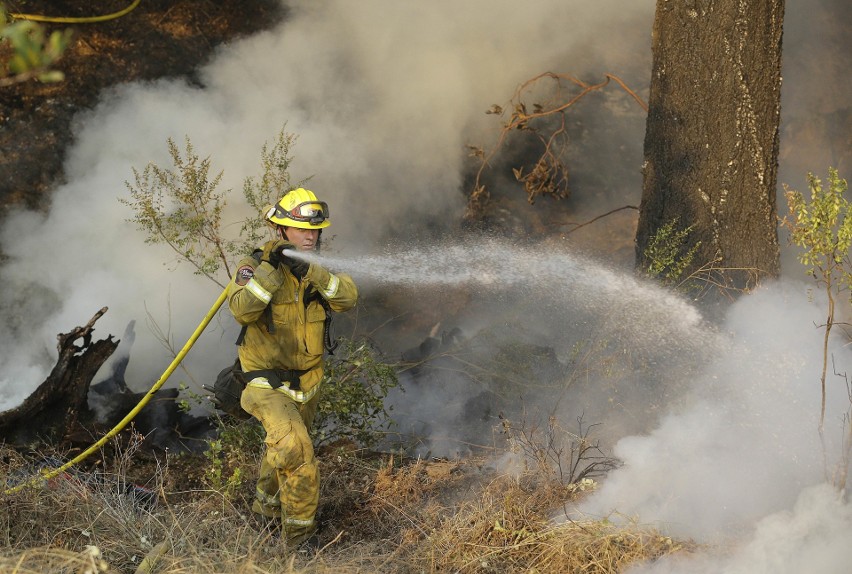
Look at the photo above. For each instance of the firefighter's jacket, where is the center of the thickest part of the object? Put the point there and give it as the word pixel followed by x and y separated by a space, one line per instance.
pixel 290 334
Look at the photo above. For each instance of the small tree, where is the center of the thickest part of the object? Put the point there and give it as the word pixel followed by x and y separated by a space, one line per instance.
pixel 823 227
pixel 352 401
pixel 182 207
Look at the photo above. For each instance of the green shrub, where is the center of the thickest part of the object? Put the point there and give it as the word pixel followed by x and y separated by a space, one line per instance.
pixel 238 447
pixel 667 257
pixel 352 398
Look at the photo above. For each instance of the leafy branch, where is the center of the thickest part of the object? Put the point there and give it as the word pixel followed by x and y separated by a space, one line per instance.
pixel 27 53
pixel 272 184
pixel 182 208
pixel 664 256
pixel 354 388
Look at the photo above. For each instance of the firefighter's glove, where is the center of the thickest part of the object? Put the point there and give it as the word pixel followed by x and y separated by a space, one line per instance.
pixel 272 252
pixel 268 277
pixel 298 267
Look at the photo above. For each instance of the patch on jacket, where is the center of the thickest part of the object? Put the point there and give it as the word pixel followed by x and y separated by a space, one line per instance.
pixel 244 273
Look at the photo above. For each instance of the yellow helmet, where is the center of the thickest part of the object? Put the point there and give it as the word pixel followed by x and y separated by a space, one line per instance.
pixel 299 208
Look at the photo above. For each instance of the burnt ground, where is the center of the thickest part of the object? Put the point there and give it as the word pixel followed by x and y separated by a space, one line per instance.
pixel 157 39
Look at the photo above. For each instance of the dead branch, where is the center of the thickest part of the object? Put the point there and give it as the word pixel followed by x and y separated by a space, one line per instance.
pixel 601 216
pixel 549 175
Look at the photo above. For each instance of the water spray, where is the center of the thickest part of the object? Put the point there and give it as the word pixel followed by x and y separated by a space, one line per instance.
pixel 637 308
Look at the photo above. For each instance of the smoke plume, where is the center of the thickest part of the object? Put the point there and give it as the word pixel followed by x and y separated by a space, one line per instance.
pixel 384 98
pixel 740 462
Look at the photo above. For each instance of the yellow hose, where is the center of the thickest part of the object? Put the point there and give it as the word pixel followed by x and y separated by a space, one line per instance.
pixel 47 475
pixel 84 20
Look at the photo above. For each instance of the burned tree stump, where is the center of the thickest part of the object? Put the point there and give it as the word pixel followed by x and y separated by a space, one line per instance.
pixel 56 407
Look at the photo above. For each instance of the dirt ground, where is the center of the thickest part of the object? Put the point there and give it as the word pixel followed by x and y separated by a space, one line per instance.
pixel 159 38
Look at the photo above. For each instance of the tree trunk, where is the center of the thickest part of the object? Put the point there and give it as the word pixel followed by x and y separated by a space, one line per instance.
pixel 56 407
pixel 711 143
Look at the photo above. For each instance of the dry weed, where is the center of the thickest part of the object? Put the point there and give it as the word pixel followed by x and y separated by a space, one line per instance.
pixel 509 529
pixel 377 514
pixel 55 561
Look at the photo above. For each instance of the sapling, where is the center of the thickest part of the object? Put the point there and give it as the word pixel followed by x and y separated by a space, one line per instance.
pixel 822 226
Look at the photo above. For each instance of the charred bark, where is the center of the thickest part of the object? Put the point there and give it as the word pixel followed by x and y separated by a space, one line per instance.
pixel 711 143
pixel 58 412
pixel 59 404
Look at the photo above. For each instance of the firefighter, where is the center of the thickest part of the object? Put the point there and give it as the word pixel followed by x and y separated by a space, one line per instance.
pixel 285 304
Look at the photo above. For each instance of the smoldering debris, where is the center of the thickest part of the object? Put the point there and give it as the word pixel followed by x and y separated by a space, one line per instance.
pixel 68 409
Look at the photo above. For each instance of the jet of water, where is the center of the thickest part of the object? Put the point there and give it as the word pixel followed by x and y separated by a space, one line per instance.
pixel 568 286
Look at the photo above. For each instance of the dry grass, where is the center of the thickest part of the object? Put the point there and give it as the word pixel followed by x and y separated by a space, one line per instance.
pixel 508 530
pixel 379 513
pixel 41 560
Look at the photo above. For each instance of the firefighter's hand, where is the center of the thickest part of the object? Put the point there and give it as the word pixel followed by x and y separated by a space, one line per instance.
pixel 298 267
pixel 273 252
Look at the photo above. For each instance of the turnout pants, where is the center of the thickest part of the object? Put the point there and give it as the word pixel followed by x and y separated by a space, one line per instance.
pixel 288 486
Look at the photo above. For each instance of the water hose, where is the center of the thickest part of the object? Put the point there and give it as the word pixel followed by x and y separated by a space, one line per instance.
pixel 47 475
pixel 83 20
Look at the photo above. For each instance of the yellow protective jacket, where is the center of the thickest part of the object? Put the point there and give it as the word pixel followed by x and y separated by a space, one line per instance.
pixel 295 340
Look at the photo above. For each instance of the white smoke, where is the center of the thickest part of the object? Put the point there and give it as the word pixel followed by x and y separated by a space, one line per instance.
pixel 813 536
pixel 741 457
pixel 383 97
